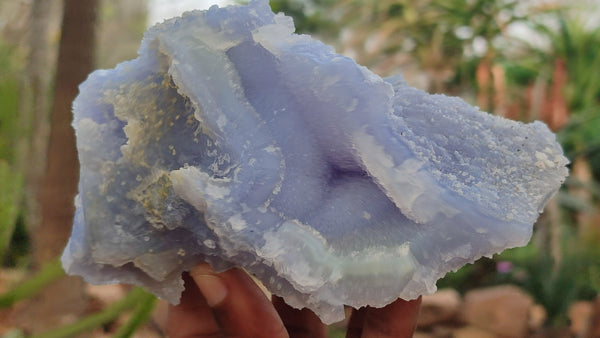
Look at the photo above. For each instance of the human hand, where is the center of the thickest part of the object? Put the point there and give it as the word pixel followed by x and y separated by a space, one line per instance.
pixel 230 304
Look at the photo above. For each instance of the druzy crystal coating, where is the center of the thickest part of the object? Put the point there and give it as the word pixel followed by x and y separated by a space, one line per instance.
pixel 232 140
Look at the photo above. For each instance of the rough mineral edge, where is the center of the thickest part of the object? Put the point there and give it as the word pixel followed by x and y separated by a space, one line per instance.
pixel 234 141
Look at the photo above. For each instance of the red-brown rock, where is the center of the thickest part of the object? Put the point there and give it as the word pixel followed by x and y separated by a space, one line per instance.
pixel 501 310
pixel 580 314
pixel 441 306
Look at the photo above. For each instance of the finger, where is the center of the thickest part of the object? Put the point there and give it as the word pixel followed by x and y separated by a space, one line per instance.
pixel 192 317
pixel 356 322
pixel 398 319
pixel 299 323
pixel 239 305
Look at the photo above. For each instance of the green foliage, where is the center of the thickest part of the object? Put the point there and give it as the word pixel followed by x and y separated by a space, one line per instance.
pixel 308 17
pixel 11 184
pixel 49 273
pixel 336 332
pixel 8 114
pixel 581 137
pixel 141 314
pixel 138 299
pixel 554 285
pixel 17 253
pixel 469 276
pixel 522 73
pixel 8 102
pixel 9 98
pixel 579 47
pixel 11 181
pixel 15 333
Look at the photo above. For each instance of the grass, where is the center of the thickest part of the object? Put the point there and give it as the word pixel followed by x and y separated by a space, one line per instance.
pixel 11 181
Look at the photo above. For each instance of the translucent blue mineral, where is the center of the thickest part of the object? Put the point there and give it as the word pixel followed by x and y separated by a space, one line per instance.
pixel 232 140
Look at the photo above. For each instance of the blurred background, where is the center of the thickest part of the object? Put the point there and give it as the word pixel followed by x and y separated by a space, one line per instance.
pixel 525 60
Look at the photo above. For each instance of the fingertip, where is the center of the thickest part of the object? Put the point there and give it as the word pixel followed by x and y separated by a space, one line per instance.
pixel 192 317
pixel 239 306
pixel 398 319
pixel 246 311
pixel 211 285
pixel 300 323
pixel 356 322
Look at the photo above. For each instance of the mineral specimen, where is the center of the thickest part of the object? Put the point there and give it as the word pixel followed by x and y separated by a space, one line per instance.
pixel 232 140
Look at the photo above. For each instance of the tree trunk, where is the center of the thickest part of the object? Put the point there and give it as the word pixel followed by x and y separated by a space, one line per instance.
pixel 64 300
pixel 59 184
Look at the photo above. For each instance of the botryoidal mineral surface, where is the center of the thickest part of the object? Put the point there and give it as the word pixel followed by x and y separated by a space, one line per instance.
pixel 232 140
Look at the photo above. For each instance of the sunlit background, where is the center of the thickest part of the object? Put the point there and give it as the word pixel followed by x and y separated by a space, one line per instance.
pixel 158 10
pixel 524 60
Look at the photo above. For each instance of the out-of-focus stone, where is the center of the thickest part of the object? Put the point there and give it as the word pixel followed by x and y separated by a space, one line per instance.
pixel 472 332
pixel 503 310
pixel 594 323
pixel 9 278
pixel 580 314
pixel 439 307
pixel 537 317
pixel 585 318
pixel 106 294
pixel 442 330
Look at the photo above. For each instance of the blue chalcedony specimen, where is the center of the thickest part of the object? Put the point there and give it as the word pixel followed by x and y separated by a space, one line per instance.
pixel 232 140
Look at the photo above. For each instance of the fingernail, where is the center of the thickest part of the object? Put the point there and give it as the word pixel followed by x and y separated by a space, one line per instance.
pixel 212 286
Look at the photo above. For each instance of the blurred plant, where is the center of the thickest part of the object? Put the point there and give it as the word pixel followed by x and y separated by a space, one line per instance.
pixel 11 184
pixel 309 16
pixel 442 36
pixel 575 44
pixel 535 270
pixel 140 302
pixel 49 273
pixel 11 179
pixel 15 157
pixel 565 62
pixel 573 108
pixel 577 278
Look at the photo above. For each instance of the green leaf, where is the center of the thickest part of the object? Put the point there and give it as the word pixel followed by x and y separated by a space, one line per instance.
pixel 134 298
pixel 50 272
pixel 141 314
pixel 11 186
